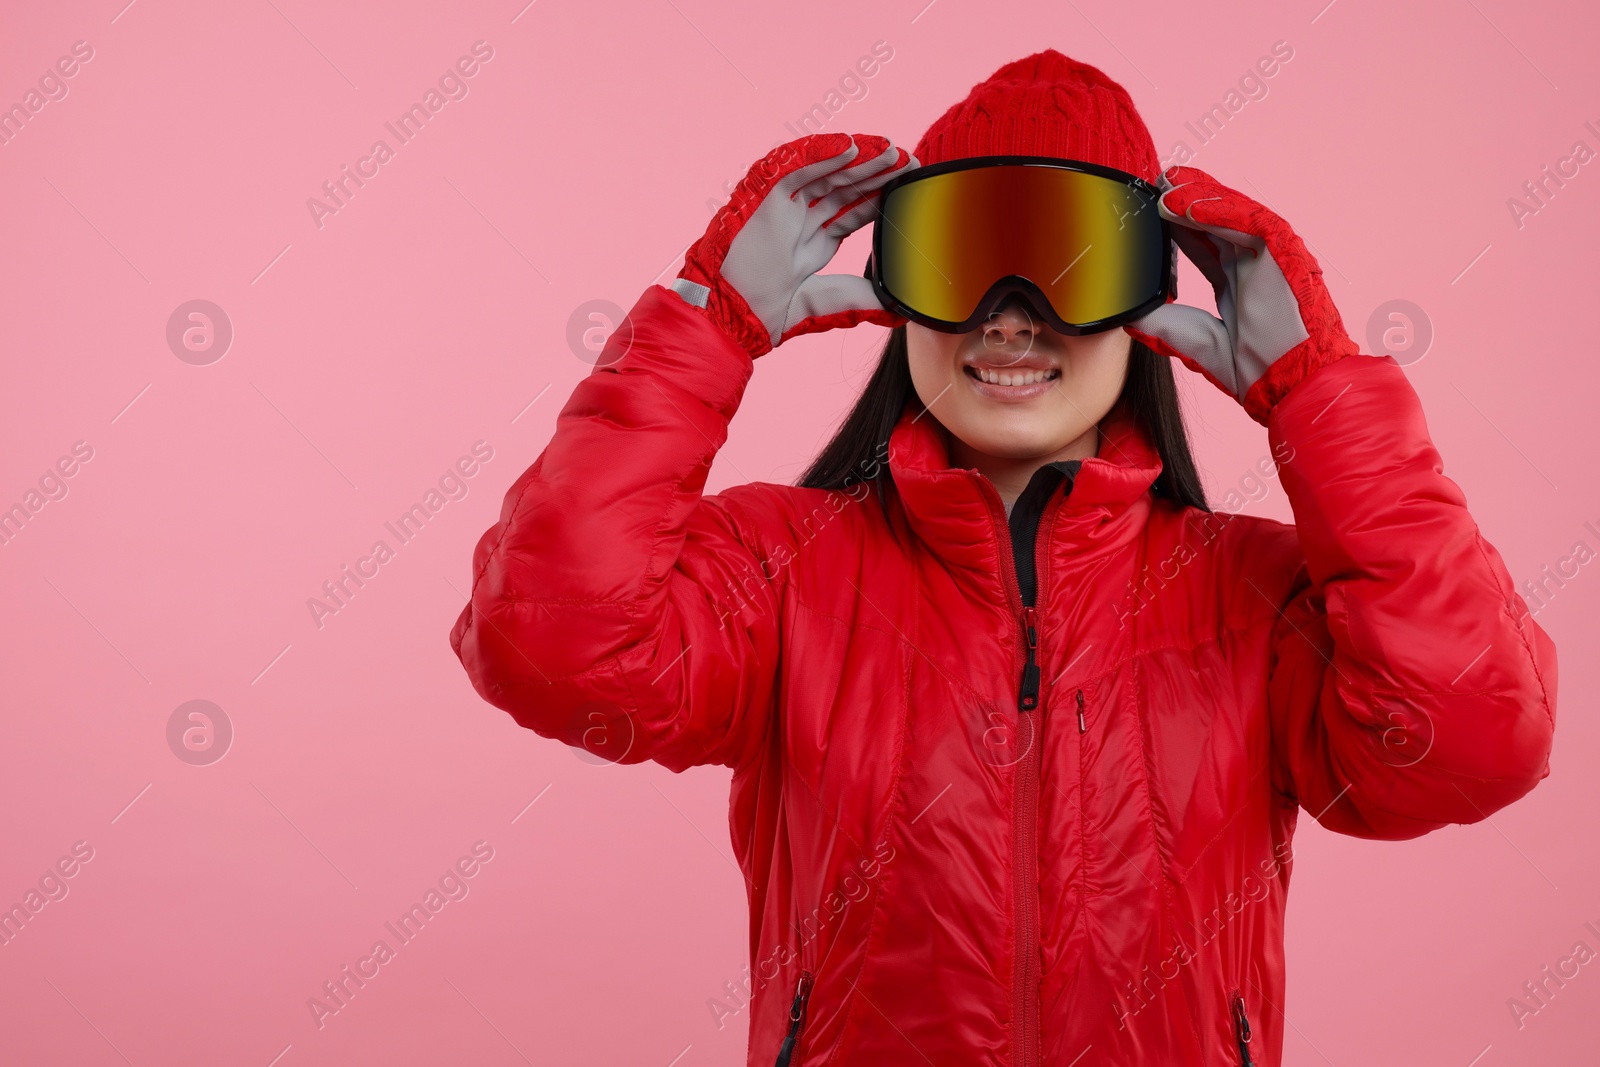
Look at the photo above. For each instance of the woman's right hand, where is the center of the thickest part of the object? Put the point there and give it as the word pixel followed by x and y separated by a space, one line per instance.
pixel 753 273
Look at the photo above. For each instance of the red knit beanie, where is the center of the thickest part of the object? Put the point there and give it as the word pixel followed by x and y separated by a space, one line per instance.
pixel 1046 105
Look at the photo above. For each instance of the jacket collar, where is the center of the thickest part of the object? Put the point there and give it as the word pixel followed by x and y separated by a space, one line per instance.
pixel 957 512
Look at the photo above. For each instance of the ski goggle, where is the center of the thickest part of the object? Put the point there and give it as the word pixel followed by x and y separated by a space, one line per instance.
pixel 1084 243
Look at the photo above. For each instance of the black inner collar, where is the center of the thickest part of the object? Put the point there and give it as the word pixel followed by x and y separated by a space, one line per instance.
pixel 1025 515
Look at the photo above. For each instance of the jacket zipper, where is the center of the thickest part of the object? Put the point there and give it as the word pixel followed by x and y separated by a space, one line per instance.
pixel 1241 1030
pixel 797 1015
pixel 1028 689
pixel 1083 724
pixel 1025 992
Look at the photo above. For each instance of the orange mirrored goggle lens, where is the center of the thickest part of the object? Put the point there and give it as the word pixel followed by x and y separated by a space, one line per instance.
pixel 1093 245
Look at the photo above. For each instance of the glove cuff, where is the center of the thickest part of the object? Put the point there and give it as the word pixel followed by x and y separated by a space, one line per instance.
pixel 1289 370
pixel 728 311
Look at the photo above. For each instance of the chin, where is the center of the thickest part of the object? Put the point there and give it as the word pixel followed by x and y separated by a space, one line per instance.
pixel 1018 443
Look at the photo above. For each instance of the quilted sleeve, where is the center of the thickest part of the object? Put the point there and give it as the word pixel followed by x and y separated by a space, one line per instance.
pixel 1409 686
pixel 613 607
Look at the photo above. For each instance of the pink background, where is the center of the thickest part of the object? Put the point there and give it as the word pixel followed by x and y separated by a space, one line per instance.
pixel 372 352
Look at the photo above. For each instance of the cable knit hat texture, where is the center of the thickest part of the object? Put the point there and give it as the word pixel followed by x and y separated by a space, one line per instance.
pixel 1046 104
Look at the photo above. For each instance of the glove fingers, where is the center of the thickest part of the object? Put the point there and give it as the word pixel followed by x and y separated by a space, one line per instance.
pixel 1270 294
pixel 828 301
pixel 1190 185
pixel 1199 201
pixel 1203 253
pixel 1240 247
pixel 788 167
pixel 783 223
pixel 896 160
pixel 1206 205
pixel 849 208
pixel 798 163
pixel 859 178
pixel 1217 216
pixel 852 219
pixel 1192 335
pixel 868 148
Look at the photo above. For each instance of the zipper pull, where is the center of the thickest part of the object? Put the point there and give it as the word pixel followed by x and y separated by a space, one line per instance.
pixel 797 1013
pixel 1082 724
pixel 1241 1029
pixel 1028 694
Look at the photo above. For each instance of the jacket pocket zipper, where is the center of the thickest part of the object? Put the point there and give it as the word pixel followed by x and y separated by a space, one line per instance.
pixel 797 1015
pixel 1241 1030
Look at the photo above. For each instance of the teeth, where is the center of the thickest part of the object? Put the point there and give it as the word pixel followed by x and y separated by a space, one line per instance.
pixel 1027 377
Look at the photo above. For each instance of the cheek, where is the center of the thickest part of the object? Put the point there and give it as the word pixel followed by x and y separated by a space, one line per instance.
pixel 930 364
pixel 1097 377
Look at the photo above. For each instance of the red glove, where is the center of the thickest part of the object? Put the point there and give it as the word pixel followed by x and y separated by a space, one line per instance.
pixel 754 271
pixel 1278 321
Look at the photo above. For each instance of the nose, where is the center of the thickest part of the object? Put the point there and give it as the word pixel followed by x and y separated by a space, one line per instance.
pixel 1015 320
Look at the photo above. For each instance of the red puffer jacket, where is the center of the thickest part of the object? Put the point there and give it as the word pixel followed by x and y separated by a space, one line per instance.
pixel 1013 799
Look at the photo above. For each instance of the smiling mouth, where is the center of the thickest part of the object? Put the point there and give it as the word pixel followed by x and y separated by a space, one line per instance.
pixel 1012 377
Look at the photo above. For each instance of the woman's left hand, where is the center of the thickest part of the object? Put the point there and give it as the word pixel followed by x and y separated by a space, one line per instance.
pixel 1278 321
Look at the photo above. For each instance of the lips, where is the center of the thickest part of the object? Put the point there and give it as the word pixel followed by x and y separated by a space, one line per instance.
pixel 1012 376
pixel 1013 383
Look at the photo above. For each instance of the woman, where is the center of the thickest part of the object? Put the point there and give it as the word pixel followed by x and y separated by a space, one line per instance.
pixel 1019 728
